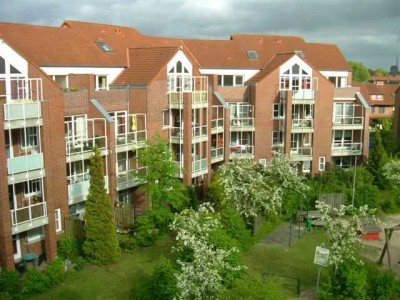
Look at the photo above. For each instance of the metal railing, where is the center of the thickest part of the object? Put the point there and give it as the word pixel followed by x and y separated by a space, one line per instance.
pixel 340 120
pixel 217 152
pixel 84 145
pixel 303 95
pixel 241 149
pixel 28 213
pixel 242 122
pixel 21 89
pixel 301 152
pixel 199 165
pixel 302 123
pixel 25 163
pixel 346 148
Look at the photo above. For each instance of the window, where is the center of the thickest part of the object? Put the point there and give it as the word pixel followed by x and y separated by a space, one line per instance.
pixel 62 80
pixel 2 65
pixel 322 163
pixel 101 83
pixel 279 111
pixel 230 80
pixel 166 118
pixel 251 54
pixel 75 128
pixel 277 138
pixel 122 163
pixel 57 216
pixel 104 46
pixel 32 187
pixel 372 109
pixel 381 110
pixel 35 235
pixel 295 78
pixel 29 137
pixel 179 78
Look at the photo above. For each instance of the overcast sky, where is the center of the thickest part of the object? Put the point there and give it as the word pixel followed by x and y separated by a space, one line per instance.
pixel 365 30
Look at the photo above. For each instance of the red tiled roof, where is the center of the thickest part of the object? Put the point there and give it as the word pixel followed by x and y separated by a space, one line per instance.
pixel 145 64
pixel 389 78
pixel 387 91
pixel 274 63
pixel 326 57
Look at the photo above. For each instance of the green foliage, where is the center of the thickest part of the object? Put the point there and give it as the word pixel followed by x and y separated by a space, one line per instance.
pixel 377 158
pixel 166 192
pixel 126 241
pixel 349 282
pixel 194 202
pixel 360 72
pixel 383 285
pixel 145 230
pixel 55 272
pixel 101 242
pixel 235 227
pixel 68 248
pixel 10 284
pixel 254 289
pixel 163 281
pixel 34 281
pixel 221 240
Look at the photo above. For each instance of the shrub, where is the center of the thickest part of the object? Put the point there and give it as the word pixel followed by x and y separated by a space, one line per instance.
pixel 384 286
pixel 55 271
pixel 126 241
pixel 10 284
pixel 254 289
pixel 80 263
pixel 235 227
pixel 145 231
pixel 163 281
pixel 68 248
pixel 34 281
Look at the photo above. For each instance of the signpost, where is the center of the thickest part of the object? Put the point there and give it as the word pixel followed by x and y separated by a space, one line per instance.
pixel 321 258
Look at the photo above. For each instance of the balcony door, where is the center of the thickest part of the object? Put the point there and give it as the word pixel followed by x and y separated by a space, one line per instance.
pixel 16 247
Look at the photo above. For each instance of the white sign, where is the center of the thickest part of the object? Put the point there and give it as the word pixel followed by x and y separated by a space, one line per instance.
pixel 321 256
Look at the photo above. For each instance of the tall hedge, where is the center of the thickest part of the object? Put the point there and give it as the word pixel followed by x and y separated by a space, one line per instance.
pixel 101 243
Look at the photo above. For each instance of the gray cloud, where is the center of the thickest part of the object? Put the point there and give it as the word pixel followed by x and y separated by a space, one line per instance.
pixel 366 31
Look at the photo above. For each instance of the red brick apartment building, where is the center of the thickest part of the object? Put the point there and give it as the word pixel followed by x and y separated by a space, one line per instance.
pixel 65 89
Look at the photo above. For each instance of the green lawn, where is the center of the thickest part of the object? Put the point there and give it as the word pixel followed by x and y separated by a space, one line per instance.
pixel 296 261
pixel 110 282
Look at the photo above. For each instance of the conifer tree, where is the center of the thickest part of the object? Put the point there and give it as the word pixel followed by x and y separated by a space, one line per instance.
pixel 377 158
pixel 101 244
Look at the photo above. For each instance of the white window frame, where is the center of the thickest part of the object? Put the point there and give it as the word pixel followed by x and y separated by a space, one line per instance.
pixel 221 80
pixel 321 163
pixel 66 80
pixel 32 187
pixel 58 220
pixel 29 137
pixel 100 86
pixel 277 138
pixel 35 235
pixel 278 111
pixel 166 118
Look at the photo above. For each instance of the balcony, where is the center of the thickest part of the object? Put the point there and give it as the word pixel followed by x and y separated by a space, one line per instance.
pixel 181 86
pixel 199 134
pixel 217 155
pixel 128 179
pixel 353 122
pixel 241 151
pixel 29 217
pixel 242 124
pixel 27 163
pixel 302 125
pixel 303 97
pixel 136 135
pixel 83 148
pixel 217 125
pixel 301 154
pixel 199 167
pixel 22 99
pixel 346 149
pixel 78 187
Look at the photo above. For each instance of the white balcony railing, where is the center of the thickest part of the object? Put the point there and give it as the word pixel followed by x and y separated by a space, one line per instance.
pixel 302 123
pixel 346 148
pixel 245 122
pixel 301 153
pixel 303 95
pixel 21 89
pixel 199 165
pixel 355 121
pixel 242 149
pixel 25 163
pixel 29 213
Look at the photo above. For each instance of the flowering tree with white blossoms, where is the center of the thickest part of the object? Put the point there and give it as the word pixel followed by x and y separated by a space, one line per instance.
pixel 253 189
pixel 342 233
pixel 200 278
pixel 392 172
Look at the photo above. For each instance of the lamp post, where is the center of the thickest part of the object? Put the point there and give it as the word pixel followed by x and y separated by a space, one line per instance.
pixel 354 181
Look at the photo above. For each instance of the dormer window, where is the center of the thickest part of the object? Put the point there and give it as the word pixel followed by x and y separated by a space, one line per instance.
pixel 377 97
pixel 252 54
pixel 295 77
pixel 179 78
pixel 101 83
pixel 104 46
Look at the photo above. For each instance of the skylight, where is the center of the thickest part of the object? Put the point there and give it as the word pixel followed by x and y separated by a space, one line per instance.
pixel 252 54
pixel 104 46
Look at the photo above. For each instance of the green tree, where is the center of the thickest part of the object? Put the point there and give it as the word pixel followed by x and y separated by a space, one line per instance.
pixel 360 72
pixel 167 194
pixel 101 242
pixel 377 159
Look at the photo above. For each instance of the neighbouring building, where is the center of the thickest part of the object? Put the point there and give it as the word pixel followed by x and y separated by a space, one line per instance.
pixel 64 90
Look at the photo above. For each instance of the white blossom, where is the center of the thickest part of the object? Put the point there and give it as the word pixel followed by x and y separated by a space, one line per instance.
pixel 200 278
pixel 392 172
pixel 342 233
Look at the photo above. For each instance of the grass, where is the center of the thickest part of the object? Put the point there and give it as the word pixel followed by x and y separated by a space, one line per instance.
pixel 115 281
pixel 296 261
